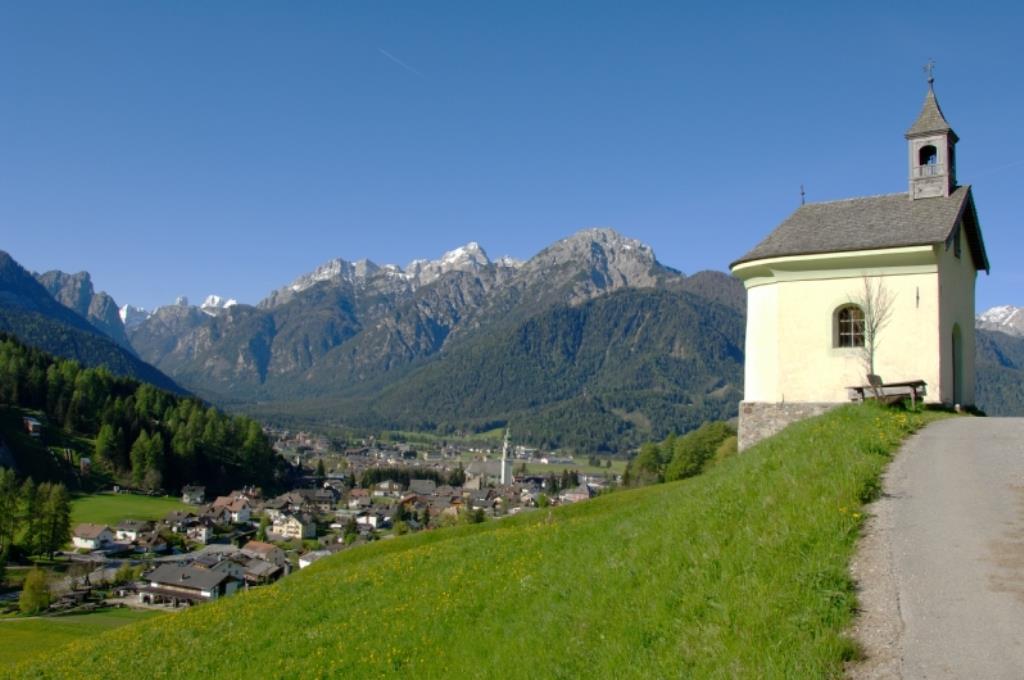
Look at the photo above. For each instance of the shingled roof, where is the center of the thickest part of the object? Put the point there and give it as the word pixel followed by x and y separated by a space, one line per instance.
pixel 930 119
pixel 186 576
pixel 872 223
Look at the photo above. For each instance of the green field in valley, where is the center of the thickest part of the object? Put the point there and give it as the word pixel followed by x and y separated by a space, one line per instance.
pixel 581 465
pixel 24 638
pixel 108 508
pixel 741 572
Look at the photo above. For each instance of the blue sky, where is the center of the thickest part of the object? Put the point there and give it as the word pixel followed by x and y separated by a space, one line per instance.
pixel 195 148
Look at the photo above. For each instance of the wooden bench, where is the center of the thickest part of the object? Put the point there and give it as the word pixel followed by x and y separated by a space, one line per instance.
pixel 888 393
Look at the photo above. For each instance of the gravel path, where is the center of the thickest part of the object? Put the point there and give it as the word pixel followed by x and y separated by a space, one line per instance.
pixel 941 563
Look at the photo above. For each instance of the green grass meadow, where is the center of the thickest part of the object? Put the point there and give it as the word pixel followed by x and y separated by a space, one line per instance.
pixel 22 639
pixel 741 572
pixel 106 508
pixel 618 467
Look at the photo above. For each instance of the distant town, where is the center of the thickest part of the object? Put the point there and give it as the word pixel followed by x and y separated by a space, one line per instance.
pixel 215 545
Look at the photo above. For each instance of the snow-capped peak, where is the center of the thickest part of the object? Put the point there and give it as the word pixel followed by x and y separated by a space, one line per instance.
pixel 471 252
pixel 1004 318
pixel 132 316
pixel 1000 314
pixel 509 261
pixel 469 258
pixel 214 303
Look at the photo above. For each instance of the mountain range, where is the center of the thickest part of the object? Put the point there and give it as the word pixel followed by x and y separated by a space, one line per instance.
pixel 591 344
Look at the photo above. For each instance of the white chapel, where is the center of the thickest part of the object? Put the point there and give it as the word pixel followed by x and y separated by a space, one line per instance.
pixel 815 284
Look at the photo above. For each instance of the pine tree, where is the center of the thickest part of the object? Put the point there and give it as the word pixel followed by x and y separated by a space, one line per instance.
pixel 139 454
pixel 31 515
pixel 10 518
pixel 106 444
pixel 55 523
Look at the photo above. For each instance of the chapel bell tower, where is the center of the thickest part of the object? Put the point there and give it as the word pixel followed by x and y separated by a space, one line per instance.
pixel 931 144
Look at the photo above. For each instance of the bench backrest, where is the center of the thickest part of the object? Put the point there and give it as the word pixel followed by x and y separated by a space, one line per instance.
pixel 874 380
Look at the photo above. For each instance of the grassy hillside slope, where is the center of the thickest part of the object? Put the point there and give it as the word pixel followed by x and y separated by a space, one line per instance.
pixel 25 638
pixel 741 572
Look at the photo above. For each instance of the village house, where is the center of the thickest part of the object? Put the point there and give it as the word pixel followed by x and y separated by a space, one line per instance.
pixel 818 286
pixel 358 499
pixel 258 572
pixel 200 532
pixel 370 518
pixel 222 563
pixel 238 508
pixel 150 542
pixel 387 488
pixel 216 516
pixel 267 552
pixel 583 492
pixel 177 521
pixel 275 507
pixel 178 585
pixel 321 500
pixel 130 529
pixel 294 526
pixel 312 556
pixel 193 495
pixel 482 499
pixel 92 536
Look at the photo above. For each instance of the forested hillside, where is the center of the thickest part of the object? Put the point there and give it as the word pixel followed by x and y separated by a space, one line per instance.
pixel 605 375
pixel 141 435
pixel 632 365
pixel 1000 373
pixel 30 312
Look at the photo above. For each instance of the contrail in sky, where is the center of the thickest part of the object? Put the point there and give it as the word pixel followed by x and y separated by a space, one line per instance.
pixel 398 61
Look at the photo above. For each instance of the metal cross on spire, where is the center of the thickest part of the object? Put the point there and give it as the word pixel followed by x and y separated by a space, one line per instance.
pixel 929 70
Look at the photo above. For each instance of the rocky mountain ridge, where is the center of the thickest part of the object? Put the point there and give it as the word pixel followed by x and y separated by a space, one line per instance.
pixel 349 330
pixel 392 278
pixel 76 292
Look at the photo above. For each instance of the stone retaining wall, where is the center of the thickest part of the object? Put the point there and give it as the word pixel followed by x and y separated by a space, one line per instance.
pixel 760 419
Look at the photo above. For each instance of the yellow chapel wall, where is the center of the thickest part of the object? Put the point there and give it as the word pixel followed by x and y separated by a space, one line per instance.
pixel 790 352
pixel 957 277
pixel 813 369
pixel 761 349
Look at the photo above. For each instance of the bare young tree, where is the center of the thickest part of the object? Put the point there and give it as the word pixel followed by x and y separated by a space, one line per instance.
pixel 876 301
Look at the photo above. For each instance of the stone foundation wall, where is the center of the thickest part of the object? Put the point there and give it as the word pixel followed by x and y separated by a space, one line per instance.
pixel 760 419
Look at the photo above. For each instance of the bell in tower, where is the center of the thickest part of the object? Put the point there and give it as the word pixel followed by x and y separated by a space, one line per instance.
pixel 931 144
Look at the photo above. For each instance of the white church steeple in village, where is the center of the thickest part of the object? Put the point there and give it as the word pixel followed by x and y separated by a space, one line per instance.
pixel 506 464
